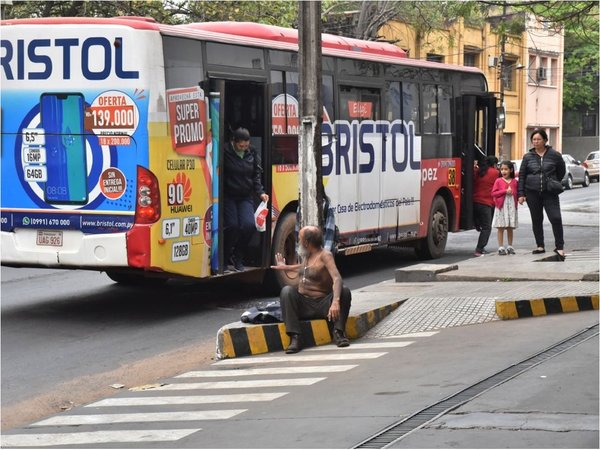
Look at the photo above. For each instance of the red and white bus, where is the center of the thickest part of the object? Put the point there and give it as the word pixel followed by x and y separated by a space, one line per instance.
pixel 112 129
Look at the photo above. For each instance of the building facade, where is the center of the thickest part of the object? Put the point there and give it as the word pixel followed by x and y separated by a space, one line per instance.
pixel 511 68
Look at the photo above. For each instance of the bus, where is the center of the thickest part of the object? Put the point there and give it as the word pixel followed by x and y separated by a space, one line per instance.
pixel 112 135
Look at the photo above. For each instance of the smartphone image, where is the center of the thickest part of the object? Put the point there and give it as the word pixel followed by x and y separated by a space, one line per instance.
pixel 62 120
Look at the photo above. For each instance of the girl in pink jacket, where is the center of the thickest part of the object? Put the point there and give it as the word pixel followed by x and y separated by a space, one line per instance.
pixel 504 194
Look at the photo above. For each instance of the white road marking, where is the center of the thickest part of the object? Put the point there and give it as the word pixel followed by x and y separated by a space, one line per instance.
pixel 412 335
pixel 266 371
pixel 188 399
pixel 240 384
pixel 94 437
pixel 299 358
pixel 363 346
pixel 94 419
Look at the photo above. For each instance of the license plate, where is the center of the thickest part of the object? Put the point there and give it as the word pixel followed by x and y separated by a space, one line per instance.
pixel 51 238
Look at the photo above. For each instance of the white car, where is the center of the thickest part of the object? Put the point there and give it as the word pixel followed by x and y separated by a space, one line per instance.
pixel 592 164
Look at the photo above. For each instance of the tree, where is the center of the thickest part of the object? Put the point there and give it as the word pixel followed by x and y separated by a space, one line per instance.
pixel 283 13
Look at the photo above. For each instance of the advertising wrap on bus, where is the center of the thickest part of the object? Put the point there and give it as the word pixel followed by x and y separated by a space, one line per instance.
pixel 70 146
pixel 101 165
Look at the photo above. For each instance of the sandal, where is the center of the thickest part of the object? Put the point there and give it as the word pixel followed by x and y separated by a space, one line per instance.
pixel 559 256
pixel 539 250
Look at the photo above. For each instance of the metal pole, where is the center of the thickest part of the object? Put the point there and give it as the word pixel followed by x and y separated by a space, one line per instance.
pixel 310 180
pixel 501 154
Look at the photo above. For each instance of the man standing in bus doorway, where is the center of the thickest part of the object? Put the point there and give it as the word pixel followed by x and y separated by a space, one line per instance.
pixel 242 181
pixel 486 174
pixel 319 294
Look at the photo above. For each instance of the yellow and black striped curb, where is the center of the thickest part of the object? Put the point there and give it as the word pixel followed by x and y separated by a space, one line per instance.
pixel 265 338
pixel 517 309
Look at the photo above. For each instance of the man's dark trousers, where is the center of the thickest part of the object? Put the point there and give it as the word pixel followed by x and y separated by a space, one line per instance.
pixel 296 307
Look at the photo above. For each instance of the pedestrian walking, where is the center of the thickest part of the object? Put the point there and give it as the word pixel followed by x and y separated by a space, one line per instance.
pixel 242 183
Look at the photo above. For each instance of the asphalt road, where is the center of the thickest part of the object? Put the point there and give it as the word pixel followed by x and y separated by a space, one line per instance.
pixel 67 336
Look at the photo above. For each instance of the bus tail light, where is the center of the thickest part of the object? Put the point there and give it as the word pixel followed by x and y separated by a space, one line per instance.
pixel 147 208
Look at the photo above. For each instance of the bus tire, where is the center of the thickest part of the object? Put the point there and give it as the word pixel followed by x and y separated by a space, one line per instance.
pixel 434 244
pixel 284 242
pixel 131 279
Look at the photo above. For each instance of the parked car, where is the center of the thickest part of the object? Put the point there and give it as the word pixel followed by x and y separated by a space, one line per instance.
pixel 592 164
pixel 517 164
pixel 575 174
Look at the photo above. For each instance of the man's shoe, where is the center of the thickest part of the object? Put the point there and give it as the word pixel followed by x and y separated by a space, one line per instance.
pixel 502 251
pixel 340 338
pixel 295 344
pixel 510 250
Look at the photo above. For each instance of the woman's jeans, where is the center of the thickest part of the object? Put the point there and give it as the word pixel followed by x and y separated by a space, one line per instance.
pixel 238 226
pixel 483 215
pixel 537 203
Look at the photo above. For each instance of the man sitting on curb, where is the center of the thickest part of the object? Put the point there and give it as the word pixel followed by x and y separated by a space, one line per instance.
pixel 319 294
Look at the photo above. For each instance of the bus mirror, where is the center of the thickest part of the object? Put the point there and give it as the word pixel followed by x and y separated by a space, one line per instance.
pixel 500 118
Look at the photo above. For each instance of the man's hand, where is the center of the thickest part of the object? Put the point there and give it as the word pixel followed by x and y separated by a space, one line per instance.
pixel 334 311
pixel 521 200
pixel 279 261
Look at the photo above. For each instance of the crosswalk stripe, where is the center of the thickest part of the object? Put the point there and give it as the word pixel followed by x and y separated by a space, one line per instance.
pixel 94 437
pixel 95 419
pixel 188 399
pixel 363 346
pixel 412 335
pixel 240 384
pixel 299 358
pixel 265 371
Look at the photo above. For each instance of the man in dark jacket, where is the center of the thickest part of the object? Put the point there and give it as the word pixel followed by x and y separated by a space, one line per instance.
pixel 242 182
pixel 540 164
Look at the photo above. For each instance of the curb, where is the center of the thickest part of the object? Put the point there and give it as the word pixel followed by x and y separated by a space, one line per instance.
pixel 266 338
pixel 518 309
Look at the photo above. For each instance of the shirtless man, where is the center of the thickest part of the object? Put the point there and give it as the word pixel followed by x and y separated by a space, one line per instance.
pixel 319 294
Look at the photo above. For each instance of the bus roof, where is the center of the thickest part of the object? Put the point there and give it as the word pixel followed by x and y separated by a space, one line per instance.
pixel 255 34
pixel 290 35
pixel 140 23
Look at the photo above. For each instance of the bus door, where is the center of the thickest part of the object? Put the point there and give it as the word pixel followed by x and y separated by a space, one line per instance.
pixel 234 104
pixel 478 130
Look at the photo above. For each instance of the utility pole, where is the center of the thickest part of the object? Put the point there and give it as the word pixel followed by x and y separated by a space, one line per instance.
pixel 310 179
pixel 502 75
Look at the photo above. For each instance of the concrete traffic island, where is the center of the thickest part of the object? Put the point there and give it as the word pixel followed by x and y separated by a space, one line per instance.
pixel 521 286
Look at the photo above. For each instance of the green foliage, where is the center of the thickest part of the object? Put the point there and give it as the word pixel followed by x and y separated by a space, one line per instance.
pixel 283 13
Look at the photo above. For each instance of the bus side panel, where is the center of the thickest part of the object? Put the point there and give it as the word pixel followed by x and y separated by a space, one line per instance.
pixel 437 174
pixel 181 158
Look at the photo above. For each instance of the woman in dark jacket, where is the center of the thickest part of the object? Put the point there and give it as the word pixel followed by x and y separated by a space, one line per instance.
pixel 541 163
pixel 242 183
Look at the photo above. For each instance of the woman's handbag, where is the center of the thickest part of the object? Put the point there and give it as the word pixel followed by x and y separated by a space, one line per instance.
pixel 554 186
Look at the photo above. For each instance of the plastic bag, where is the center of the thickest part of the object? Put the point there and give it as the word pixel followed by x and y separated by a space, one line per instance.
pixel 260 216
pixel 271 313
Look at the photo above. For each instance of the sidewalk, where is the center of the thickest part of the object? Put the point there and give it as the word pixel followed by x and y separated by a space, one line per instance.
pixel 425 297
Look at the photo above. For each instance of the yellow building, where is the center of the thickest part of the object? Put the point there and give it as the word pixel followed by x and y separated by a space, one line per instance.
pixel 477 46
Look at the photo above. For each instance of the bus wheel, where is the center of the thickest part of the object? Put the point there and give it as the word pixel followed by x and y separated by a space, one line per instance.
pixel 433 245
pixel 130 279
pixel 284 242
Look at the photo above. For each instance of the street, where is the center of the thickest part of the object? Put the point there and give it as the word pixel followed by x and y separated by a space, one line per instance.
pixel 88 334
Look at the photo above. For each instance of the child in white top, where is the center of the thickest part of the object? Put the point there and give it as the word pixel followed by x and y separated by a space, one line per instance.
pixel 504 194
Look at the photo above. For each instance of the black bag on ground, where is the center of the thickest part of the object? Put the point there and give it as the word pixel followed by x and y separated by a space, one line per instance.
pixel 271 313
